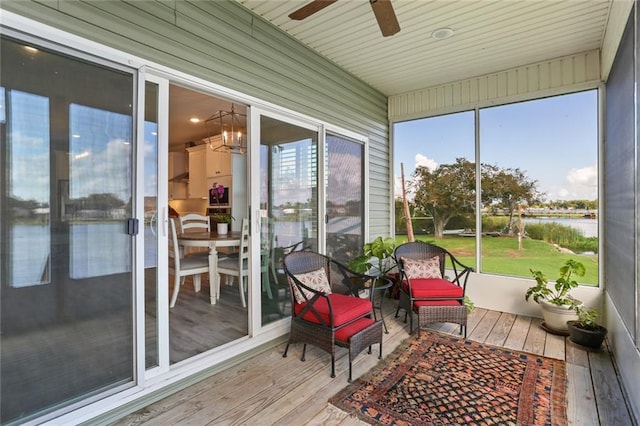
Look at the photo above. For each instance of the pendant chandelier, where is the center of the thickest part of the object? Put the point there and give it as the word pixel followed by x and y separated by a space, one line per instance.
pixel 230 126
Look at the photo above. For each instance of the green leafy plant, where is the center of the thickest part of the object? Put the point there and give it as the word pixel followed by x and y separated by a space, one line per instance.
pixel 222 218
pixel 468 303
pixel 379 249
pixel 558 294
pixel 586 318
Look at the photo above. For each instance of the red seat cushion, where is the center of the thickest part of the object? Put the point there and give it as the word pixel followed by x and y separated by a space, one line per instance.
pixel 345 309
pixel 434 287
pixel 345 333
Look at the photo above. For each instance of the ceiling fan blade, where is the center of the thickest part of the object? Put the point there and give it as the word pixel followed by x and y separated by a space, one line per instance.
pixel 386 17
pixel 310 8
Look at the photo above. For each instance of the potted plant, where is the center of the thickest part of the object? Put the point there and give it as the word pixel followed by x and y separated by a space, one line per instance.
pixel 222 221
pixel 557 305
pixel 376 258
pixel 585 331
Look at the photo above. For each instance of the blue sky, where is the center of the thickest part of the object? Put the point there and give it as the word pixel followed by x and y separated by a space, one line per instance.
pixel 553 140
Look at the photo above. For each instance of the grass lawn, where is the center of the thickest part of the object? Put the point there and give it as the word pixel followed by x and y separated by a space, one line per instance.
pixel 501 256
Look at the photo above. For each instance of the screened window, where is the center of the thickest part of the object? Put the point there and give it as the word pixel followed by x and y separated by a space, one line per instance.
pixel 438 154
pixel 538 180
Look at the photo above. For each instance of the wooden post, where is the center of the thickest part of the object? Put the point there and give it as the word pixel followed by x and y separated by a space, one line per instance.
pixel 520 227
pixel 405 205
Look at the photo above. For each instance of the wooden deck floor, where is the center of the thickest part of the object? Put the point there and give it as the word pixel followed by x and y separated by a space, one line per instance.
pixel 269 389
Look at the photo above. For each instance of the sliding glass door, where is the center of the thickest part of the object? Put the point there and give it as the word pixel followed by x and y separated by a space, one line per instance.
pixel 311 198
pixel 345 197
pixel 66 244
pixel 288 205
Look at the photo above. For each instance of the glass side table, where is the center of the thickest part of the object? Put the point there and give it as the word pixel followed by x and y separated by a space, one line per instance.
pixel 381 286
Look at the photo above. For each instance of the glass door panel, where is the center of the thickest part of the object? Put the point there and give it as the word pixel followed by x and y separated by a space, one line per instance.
pixel 288 204
pixel 345 197
pixel 200 162
pixel 151 224
pixel 66 257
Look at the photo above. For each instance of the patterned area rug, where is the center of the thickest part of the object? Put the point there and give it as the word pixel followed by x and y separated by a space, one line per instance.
pixel 437 379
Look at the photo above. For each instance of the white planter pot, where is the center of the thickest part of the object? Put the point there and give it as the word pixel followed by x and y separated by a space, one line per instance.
pixel 556 317
pixel 222 228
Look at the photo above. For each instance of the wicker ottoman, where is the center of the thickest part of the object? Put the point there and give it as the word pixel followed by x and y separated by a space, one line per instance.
pixel 365 338
pixel 455 314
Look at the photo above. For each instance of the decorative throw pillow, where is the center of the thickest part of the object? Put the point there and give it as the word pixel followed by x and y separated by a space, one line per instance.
pixel 415 269
pixel 317 280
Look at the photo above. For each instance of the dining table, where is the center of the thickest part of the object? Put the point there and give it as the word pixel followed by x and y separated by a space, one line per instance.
pixel 212 240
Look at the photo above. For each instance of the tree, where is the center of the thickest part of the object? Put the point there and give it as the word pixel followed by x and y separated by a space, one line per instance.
pixel 449 191
pixel 444 192
pixel 507 189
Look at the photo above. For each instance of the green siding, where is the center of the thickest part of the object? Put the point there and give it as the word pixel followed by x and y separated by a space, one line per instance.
pixel 222 42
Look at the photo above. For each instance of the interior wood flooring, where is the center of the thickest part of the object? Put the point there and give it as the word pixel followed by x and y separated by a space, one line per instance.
pixel 196 326
pixel 271 390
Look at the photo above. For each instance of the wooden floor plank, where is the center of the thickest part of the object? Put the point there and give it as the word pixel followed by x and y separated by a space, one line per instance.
pixel 576 355
pixel 474 319
pixel 612 409
pixel 483 329
pixel 518 333
pixel 554 346
pixel 328 416
pixel 536 337
pixel 581 401
pixel 501 329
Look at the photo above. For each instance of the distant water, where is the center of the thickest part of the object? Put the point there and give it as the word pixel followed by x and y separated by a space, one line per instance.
pixel 97 249
pixel 588 227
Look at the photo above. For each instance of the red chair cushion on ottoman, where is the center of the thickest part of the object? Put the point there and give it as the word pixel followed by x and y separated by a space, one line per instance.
pixel 345 333
pixel 345 309
pixel 434 287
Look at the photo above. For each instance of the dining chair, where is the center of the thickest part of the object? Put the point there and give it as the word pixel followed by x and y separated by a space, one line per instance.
pixel 238 266
pixel 182 265
pixel 191 222
pixel 195 221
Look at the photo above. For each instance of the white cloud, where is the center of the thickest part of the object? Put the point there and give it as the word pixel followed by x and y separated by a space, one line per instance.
pixel 580 184
pixel 424 161
pixel 585 176
pixel 420 160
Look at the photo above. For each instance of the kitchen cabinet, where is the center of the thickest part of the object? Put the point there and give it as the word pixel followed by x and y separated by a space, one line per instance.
pixel 207 166
pixel 177 175
pixel 197 187
pixel 218 162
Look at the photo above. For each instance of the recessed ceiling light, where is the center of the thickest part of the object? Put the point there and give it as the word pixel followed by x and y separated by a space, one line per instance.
pixel 30 49
pixel 194 120
pixel 442 33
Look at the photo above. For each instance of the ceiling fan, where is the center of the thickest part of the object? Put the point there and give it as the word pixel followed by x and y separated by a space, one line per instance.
pixel 382 9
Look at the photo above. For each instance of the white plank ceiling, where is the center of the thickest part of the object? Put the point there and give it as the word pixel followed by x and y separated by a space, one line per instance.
pixel 489 36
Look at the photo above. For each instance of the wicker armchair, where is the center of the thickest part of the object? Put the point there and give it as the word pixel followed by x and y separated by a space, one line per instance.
pixel 327 311
pixel 424 288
